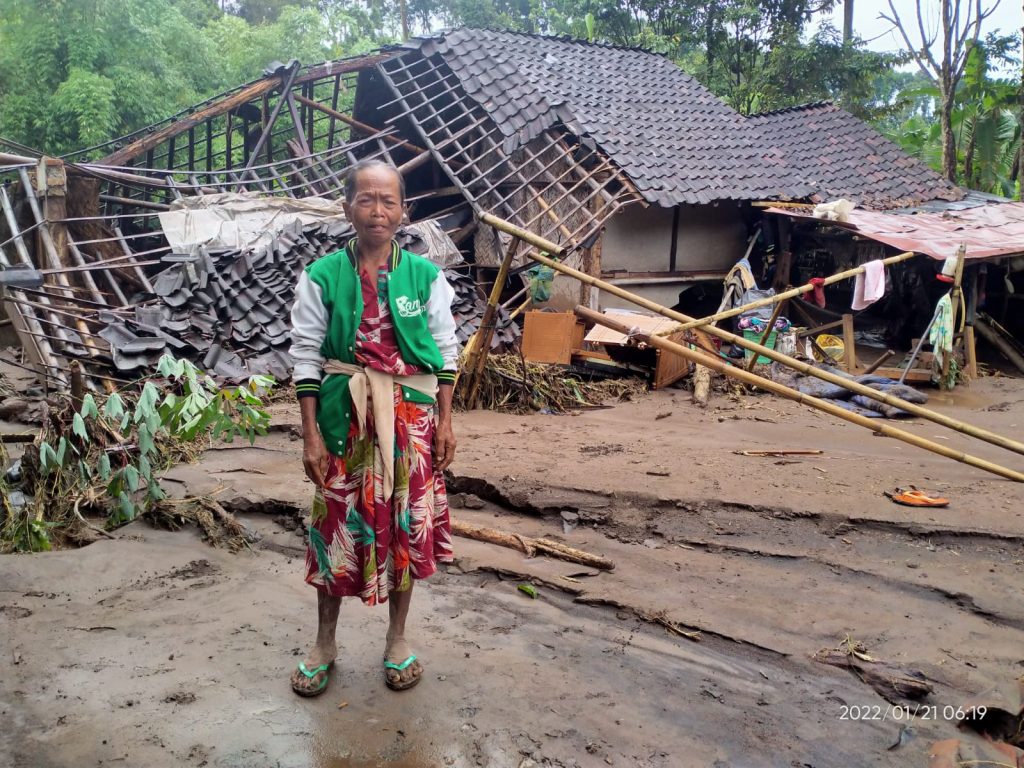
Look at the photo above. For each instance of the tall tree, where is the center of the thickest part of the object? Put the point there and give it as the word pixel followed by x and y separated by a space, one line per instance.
pixel 1019 171
pixel 960 28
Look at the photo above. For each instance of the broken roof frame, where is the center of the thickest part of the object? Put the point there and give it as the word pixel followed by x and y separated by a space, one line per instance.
pixel 95 263
pixel 522 154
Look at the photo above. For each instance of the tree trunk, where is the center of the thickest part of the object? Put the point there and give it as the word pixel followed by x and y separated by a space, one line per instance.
pixel 709 46
pixel 948 140
pixel 847 21
pixel 969 157
pixel 1020 119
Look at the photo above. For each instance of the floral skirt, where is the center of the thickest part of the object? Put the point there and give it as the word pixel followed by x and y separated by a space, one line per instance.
pixel 362 544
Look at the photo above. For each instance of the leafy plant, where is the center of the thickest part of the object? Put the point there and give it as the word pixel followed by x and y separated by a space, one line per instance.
pixel 107 456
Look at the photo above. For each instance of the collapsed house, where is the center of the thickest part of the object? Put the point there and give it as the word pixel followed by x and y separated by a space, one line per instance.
pixel 135 248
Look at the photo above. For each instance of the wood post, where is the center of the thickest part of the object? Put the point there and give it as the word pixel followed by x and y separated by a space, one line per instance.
pixel 791 362
pixel 954 298
pixel 784 264
pixel 822 405
pixel 971 352
pixel 849 345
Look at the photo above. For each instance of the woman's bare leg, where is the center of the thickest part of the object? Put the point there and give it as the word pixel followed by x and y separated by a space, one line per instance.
pixel 398 649
pixel 325 649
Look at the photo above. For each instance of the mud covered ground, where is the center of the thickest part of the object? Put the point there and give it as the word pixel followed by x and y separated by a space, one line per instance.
pixel 155 649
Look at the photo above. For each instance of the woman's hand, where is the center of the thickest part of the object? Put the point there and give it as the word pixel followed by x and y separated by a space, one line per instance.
pixel 314 451
pixel 444 445
pixel 314 457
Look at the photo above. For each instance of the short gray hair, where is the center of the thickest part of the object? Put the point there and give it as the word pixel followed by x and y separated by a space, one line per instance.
pixel 365 165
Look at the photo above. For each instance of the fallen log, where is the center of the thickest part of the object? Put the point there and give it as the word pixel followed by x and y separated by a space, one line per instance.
pixel 892 683
pixel 530 546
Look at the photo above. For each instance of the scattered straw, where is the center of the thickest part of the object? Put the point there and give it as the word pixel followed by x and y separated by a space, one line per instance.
pixel 513 385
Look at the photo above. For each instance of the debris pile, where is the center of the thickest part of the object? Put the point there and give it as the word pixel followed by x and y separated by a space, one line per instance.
pixel 228 310
pixel 510 383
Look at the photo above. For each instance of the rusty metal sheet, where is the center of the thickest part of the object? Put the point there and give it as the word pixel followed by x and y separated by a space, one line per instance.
pixel 988 231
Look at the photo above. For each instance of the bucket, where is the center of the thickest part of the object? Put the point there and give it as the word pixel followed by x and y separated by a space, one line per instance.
pixel 752 335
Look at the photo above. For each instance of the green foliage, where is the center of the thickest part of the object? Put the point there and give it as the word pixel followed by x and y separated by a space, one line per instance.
pixel 74 73
pixel 985 122
pixel 107 458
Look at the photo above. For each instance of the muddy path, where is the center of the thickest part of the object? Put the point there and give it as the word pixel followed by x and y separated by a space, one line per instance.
pixel 155 649
pixel 174 654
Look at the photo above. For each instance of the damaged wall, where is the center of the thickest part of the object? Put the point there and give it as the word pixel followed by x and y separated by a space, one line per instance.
pixel 709 240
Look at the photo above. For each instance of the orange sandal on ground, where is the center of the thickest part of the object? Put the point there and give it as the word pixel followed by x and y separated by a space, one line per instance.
pixel 916 498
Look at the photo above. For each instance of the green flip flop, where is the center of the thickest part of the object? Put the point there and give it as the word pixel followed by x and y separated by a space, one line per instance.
pixel 311 673
pixel 400 685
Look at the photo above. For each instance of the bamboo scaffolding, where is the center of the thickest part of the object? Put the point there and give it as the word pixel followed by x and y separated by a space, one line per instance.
pixel 780 297
pixel 832 409
pixel 791 362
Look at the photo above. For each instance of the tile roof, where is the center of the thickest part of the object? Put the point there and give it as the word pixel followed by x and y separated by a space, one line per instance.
pixel 229 310
pixel 842 156
pixel 677 142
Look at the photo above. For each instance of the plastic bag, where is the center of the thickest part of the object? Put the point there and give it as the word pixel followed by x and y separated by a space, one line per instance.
pixel 541 278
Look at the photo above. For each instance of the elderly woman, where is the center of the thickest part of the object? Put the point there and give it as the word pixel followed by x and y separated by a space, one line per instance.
pixel 373 340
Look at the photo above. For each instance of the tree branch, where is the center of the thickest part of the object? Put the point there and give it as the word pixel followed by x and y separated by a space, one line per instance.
pixel 926 42
pixel 897 22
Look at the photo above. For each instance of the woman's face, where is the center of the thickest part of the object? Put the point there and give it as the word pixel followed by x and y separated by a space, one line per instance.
pixel 376 209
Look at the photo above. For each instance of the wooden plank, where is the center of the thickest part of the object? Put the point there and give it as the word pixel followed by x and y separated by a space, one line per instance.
pixel 670 368
pixel 551 337
pixel 916 375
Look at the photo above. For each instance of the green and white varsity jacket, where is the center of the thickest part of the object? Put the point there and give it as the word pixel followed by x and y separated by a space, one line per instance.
pixel 326 314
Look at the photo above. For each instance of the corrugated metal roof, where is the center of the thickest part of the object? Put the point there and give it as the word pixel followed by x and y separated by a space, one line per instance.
pixel 988 231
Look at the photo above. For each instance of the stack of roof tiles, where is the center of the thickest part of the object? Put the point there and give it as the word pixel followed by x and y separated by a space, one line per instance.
pixel 675 140
pixel 229 310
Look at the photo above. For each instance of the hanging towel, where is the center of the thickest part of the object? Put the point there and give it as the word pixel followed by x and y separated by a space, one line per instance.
pixel 940 336
pixel 869 286
pixel 818 294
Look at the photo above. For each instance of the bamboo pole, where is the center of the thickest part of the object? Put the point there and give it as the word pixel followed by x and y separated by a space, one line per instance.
pixel 779 389
pixel 351 121
pixel 486 329
pixel 780 297
pixel 791 362
pixel 767 333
